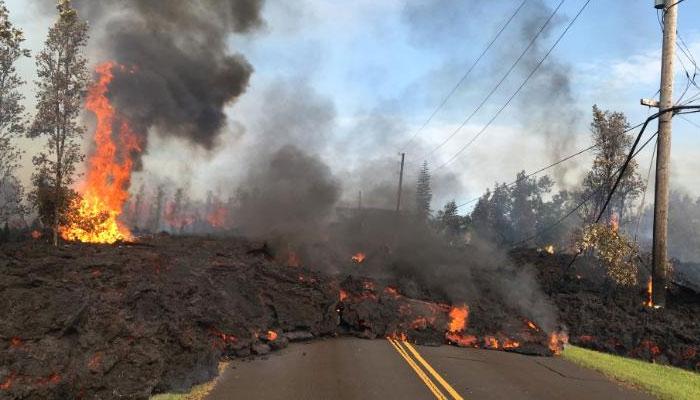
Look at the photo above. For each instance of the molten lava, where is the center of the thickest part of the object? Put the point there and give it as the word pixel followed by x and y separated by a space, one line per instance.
pixel 95 216
pixel 649 302
pixel 459 317
pixel 359 258
pixel 557 340
pixel 271 336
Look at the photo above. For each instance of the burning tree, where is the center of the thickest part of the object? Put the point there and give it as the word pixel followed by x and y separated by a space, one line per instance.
pixel 63 76
pixel 11 112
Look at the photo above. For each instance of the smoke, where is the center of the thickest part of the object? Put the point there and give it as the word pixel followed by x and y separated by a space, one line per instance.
pixel 289 195
pixel 180 73
pixel 547 105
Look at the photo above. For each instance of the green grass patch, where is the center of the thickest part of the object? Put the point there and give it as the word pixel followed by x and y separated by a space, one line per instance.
pixel 659 380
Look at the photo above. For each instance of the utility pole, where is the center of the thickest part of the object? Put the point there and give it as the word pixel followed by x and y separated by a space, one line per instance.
pixel 663 157
pixel 398 197
pixel 359 200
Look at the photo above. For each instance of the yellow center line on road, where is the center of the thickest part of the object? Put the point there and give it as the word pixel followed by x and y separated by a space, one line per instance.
pixel 432 371
pixel 433 388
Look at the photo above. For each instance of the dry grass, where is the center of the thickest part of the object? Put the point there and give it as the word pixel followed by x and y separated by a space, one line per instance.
pixel 198 392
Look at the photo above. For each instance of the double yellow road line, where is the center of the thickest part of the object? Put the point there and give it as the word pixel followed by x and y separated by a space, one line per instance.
pixel 413 358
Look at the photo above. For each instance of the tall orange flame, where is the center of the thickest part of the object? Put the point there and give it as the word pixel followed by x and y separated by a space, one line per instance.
pixel 105 189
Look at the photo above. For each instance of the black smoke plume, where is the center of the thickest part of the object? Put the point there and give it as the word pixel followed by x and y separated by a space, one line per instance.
pixel 180 73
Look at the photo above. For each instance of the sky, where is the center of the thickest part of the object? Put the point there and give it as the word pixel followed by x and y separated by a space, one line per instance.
pixel 359 78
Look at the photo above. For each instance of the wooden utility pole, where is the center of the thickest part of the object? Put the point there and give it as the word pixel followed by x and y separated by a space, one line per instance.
pixel 398 197
pixel 663 157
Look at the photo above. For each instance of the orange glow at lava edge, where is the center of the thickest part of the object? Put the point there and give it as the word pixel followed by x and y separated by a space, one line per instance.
pixel 359 258
pixel 105 189
pixel 459 317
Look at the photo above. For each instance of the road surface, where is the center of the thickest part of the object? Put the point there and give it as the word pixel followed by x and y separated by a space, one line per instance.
pixel 348 368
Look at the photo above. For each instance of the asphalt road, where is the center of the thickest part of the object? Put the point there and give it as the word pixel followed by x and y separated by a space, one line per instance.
pixel 348 368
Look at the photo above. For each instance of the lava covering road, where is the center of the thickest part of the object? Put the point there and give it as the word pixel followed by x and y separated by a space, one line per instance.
pixel 130 320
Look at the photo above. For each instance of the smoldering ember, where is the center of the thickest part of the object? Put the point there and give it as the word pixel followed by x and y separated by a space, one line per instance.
pixel 219 199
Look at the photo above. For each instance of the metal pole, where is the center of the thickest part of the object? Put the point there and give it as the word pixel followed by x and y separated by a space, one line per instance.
pixel 663 158
pixel 398 197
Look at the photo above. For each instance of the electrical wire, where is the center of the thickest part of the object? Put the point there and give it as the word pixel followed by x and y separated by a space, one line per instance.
pixel 510 99
pixel 465 76
pixel 499 83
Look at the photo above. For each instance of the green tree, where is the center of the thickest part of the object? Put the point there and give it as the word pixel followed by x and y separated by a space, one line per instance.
pixel 450 223
pixel 62 82
pixel 612 147
pixel 424 193
pixel 11 115
pixel 527 204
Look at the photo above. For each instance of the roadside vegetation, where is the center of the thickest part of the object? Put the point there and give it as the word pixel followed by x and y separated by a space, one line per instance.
pixel 664 382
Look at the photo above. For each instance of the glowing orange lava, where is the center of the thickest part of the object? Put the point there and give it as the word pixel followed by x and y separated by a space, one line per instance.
pixel 650 294
pixel 459 317
pixel 109 167
pixel 557 340
pixel 359 258
pixel 271 336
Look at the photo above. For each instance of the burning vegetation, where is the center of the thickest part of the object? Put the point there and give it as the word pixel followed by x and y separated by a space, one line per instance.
pixel 94 215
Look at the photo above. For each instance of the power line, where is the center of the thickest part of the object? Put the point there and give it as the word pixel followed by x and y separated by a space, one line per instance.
pixel 466 74
pixel 500 82
pixel 620 171
pixel 554 164
pixel 690 121
pixel 527 79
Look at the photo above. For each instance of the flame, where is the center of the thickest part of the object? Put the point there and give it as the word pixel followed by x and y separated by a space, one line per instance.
pixel 109 168
pixel 511 344
pixel 649 302
pixel 271 336
pixel 557 340
pixel 462 340
pixel 218 216
pixel 342 295
pixel 459 317
pixel 532 325
pixel 359 258
pixel 615 222
pixel 491 342
pixel 549 249
pixel 36 235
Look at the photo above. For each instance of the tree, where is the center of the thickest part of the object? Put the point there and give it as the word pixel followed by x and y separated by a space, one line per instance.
pixel 63 76
pixel 612 147
pixel 424 193
pixel 527 204
pixel 450 223
pixel 11 115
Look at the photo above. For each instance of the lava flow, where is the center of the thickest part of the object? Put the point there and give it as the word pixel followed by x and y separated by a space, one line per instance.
pixel 105 189
pixel 359 258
